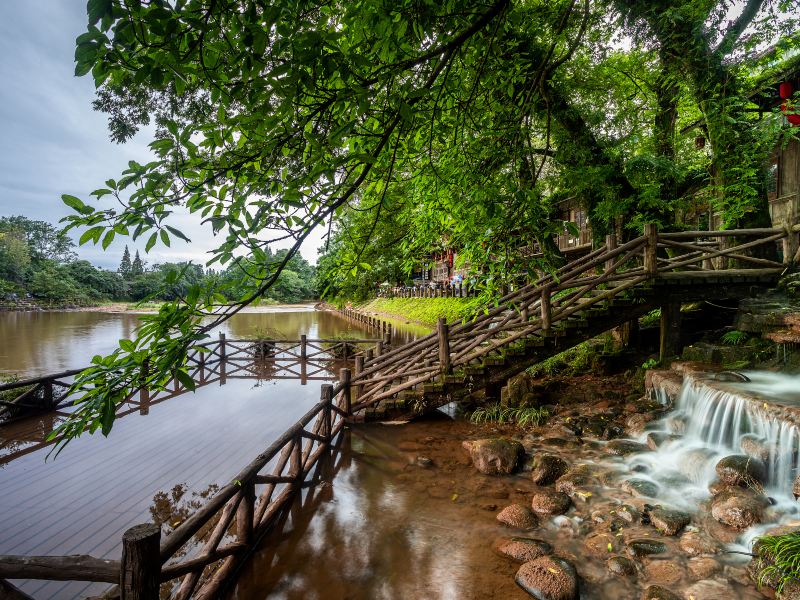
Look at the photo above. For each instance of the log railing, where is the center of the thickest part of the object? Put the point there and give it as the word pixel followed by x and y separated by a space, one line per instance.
pixel 221 359
pixel 542 308
pixel 196 559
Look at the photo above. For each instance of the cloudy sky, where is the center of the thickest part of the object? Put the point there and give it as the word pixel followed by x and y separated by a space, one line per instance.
pixel 53 143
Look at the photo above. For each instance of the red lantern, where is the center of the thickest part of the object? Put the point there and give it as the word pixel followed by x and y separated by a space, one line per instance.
pixel 785 90
pixel 794 119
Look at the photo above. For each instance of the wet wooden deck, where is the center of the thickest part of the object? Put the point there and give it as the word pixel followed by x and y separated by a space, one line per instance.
pixel 82 502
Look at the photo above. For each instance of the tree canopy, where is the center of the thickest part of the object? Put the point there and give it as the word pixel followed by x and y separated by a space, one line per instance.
pixel 397 123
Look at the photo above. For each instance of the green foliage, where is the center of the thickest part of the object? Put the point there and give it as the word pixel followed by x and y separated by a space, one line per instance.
pixel 425 310
pixel 125 264
pixel 651 319
pixel 651 363
pixel 574 361
pixel 735 338
pixel 522 416
pixel 409 127
pixel 779 562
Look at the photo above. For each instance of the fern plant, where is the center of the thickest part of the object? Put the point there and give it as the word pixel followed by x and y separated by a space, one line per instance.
pixel 735 338
pixel 779 562
pixel 522 416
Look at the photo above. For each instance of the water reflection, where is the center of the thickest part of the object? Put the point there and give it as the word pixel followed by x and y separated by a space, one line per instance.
pixel 33 344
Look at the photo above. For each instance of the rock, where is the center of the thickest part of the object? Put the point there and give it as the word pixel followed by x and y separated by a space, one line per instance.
pixel 710 590
pixel 518 516
pixel 677 424
pixel 628 514
pixel 547 468
pixel 548 578
pixel 743 470
pixel 572 482
pixel 645 547
pixel 523 549
pixel 625 447
pixel 656 592
pixel 737 510
pixel 663 572
pixel 796 488
pixel 636 424
pixel 424 461
pixel 551 502
pixel 497 456
pixel 696 543
pixel 621 566
pixel 669 521
pixel 755 447
pixel 695 462
pixel 703 567
pixel 640 487
pixel 599 543
pixel 656 439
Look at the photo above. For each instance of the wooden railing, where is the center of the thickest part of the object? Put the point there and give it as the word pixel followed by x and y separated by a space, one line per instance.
pixel 536 310
pixel 304 359
pixel 198 557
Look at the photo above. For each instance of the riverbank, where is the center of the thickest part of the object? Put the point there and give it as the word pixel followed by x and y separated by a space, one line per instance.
pixel 153 307
pixel 422 311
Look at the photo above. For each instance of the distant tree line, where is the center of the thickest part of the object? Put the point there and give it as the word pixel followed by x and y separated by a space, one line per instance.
pixel 38 260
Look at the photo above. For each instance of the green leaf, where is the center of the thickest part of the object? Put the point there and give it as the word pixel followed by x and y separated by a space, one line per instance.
pixel 108 238
pixel 127 345
pixel 165 237
pixel 151 242
pixel 92 234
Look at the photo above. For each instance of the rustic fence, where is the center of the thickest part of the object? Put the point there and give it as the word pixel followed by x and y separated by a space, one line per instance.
pixel 197 558
pixel 564 298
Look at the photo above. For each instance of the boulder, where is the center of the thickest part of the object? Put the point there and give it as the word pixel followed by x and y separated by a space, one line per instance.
pixel 645 547
pixel 628 513
pixel 496 456
pixel 704 567
pixel 523 549
pixel 547 468
pixel 548 578
pixel 669 521
pixel 640 487
pixel 756 447
pixel 551 502
pixel 625 447
pixel 656 439
pixel 636 424
pixel 743 470
pixel 796 488
pixel 697 543
pixel 518 516
pixel 737 509
pixel 621 566
pixel 656 592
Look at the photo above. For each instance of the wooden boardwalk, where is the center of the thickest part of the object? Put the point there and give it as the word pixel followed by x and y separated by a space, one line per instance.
pixel 203 548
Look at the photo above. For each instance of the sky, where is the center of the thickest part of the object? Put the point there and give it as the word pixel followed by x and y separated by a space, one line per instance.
pixel 53 143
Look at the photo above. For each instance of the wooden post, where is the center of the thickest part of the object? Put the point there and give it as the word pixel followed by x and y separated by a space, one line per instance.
pixel 326 395
pixel 370 354
pixel 244 513
pixel 651 249
pixel 387 340
pixel 141 563
pixel 303 347
pixel 379 348
pixel 670 342
pixel 524 313
pixel 296 461
pixel 222 350
pixel 790 244
pixel 611 244
pixel 144 393
pixel 388 336
pixel 359 370
pixel 443 331
pixel 546 312
pixel 347 395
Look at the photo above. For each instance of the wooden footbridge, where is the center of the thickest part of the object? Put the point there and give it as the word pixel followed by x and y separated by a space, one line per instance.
pixel 609 287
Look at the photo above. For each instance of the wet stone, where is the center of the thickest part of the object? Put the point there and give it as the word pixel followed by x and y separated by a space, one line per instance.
pixel 518 516
pixel 523 549
pixel 711 589
pixel 703 567
pixel 677 424
pixel 663 572
pixel 645 547
pixel 697 543
pixel 547 468
pixel 656 439
pixel 796 488
pixel 656 592
pixel 640 487
pixel 496 456
pixel 621 566
pixel 548 578
pixel 669 521
pixel 551 502
pixel 628 514
pixel 572 482
pixel 740 469
pixel 737 510
pixel 755 446
pixel 424 461
pixel 625 447
pixel 601 544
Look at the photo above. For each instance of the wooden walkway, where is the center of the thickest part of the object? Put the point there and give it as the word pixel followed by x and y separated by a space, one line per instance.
pixel 612 285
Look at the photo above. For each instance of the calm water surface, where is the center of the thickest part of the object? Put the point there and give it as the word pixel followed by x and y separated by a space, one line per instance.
pixel 158 464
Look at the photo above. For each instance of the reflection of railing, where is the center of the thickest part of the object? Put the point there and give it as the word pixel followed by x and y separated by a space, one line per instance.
pixel 303 359
pixel 237 517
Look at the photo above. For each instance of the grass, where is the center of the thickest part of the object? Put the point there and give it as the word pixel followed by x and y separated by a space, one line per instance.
pixel 425 310
pixel 573 361
pixel 522 416
pixel 779 562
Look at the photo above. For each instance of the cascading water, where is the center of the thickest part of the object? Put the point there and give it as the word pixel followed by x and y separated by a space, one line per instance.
pixel 712 420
